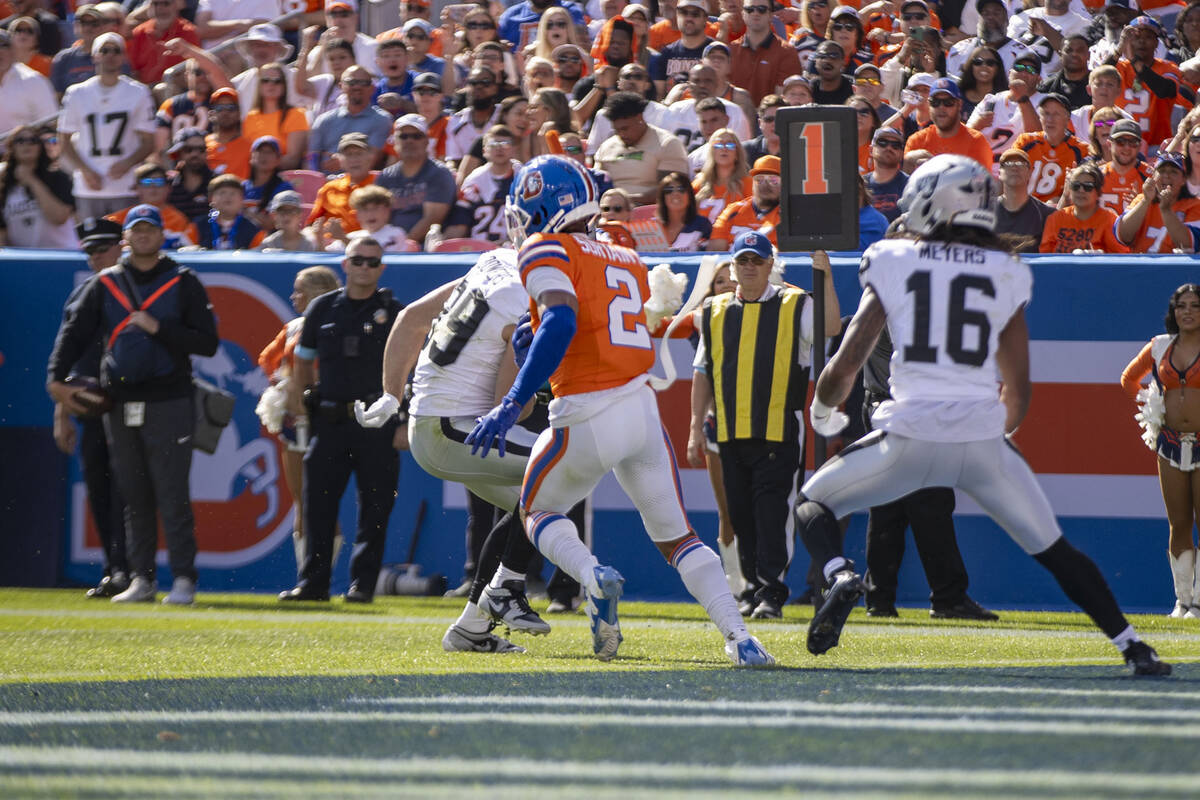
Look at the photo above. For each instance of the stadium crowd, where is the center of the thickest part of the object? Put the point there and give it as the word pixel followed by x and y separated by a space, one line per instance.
pixel 292 125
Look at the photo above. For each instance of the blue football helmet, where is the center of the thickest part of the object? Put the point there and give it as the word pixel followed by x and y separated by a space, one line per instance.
pixel 548 194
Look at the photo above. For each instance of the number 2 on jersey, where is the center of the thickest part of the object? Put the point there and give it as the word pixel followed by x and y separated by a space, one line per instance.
pixel 958 318
pixel 628 304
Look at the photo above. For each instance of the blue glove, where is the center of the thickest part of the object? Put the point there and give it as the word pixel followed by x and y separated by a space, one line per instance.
pixel 493 427
pixel 521 339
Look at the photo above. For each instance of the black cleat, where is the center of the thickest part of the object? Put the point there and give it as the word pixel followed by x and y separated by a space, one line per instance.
pixel 886 610
pixel 357 595
pixel 109 586
pixel 1145 661
pixel 826 626
pixel 966 609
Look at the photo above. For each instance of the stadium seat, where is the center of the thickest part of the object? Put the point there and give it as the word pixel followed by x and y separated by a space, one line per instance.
pixel 464 246
pixel 644 212
pixel 306 181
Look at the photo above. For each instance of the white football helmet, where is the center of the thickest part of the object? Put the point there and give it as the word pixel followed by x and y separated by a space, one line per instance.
pixel 950 189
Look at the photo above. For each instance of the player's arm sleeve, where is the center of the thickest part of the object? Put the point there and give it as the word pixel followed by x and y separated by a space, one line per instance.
pixel 1160 85
pixel 1131 376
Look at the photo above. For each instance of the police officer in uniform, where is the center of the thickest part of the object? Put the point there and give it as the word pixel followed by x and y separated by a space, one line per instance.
pixel 752 365
pixel 101 241
pixel 345 332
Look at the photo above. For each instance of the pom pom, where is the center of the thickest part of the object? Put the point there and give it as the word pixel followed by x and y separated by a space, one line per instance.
pixel 272 406
pixel 666 294
pixel 1152 412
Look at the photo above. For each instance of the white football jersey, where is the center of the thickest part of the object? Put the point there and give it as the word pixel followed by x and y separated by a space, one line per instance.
pixel 1007 121
pixel 456 372
pixel 685 122
pixel 106 121
pixel 483 195
pixel 946 305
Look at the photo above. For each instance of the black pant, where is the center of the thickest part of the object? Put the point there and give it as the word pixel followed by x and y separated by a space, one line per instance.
pixel 153 462
pixel 759 476
pixel 104 499
pixel 929 512
pixel 337 449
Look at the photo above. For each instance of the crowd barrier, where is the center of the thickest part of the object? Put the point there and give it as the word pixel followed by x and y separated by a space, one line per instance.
pixel 1089 317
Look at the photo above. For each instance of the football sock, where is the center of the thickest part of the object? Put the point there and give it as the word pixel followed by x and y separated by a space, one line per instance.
pixel 1082 582
pixel 1125 638
pixel 503 574
pixel 819 531
pixel 702 574
pixel 493 548
pixel 835 566
pixel 473 619
pixel 555 536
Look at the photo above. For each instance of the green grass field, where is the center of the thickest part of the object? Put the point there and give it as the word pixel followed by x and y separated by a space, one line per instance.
pixel 238 697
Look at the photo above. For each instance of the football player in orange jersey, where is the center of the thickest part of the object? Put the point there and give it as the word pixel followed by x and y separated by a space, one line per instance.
pixel 1161 219
pixel 592 344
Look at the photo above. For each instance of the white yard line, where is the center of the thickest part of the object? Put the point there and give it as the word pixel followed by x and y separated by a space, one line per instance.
pixel 495 701
pixel 856 722
pixel 628 774
pixel 1168 692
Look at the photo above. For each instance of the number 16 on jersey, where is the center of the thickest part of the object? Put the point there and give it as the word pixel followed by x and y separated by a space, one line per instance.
pixel 819 190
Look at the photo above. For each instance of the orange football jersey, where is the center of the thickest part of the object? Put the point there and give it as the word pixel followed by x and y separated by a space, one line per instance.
pixel 1050 164
pixel 611 345
pixel 1153 237
pixel 1150 111
pixel 1119 190
pixel 742 216
pixel 713 205
pixel 1066 233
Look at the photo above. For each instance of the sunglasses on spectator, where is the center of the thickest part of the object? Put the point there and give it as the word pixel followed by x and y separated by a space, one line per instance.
pixel 862 112
pixel 481 83
pixel 365 261
pixel 865 81
pixel 225 107
pixel 916 16
pixel 979 61
pixel 674 189
pixel 1193 138
pixel 1136 141
pixel 557 23
pixel 1026 68
pixel 566 58
pixel 155 181
pixel 426 90
pixel 770 180
pixel 756 9
pixel 1083 186
pixel 26 140
pixel 50 138
pixel 942 102
pixel 573 149
pixel 845 26
pixel 635 76
pixel 355 82
pixel 410 137
pixel 416 34
pixel 724 145
pixel 1104 123
pixel 613 209
pixel 499 143
pixel 193 148
pixel 889 144
pixel 110 51
pixel 26 31
pixel 480 26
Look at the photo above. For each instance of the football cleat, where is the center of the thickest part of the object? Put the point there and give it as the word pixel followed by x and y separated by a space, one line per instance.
pixel 767 609
pixel 602 613
pixel 749 653
pixel 461 640
pixel 1144 660
pixel 508 606
pixel 141 590
pixel 826 626
pixel 183 592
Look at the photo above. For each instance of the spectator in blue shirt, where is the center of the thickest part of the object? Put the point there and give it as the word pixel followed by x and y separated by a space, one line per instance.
pixel 356 116
pixel 418 35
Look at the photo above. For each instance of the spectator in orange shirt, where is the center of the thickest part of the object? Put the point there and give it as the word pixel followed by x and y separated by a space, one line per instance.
pixel 152 187
pixel 24 34
pixel 868 123
pixel 1083 225
pixel 147 51
pixel 759 213
pixel 228 150
pixel 724 177
pixel 1053 151
pixel 1164 217
pixel 1125 172
pixel 947 134
pixel 760 59
pixel 225 227
pixel 332 217
pixel 274 116
pixel 1151 85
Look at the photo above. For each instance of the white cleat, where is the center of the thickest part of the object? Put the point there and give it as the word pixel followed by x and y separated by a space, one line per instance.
pixel 749 653
pixel 508 606
pixel 602 613
pixel 141 590
pixel 183 593
pixel 461 640
pixel 1180 611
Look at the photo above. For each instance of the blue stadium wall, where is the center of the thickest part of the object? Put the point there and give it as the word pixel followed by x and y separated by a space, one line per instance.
pixel 1089 317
